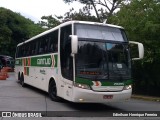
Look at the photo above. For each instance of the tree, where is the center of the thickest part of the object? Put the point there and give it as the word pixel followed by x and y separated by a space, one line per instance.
pixel 141 18
pixel 81 15
pixel 103 8
pixel 14 29
pixel 49 22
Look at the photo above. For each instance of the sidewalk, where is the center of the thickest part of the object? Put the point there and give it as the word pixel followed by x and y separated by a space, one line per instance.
pixel 147 98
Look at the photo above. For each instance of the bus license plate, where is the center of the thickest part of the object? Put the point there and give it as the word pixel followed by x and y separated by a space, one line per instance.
pixel 107 96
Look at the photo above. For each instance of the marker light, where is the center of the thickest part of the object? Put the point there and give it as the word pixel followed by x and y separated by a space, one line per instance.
pixel 127 87
pixel 81 100
pixel 83 86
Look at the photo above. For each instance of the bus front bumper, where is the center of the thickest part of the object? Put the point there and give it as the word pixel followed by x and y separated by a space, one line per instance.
pixel 90 96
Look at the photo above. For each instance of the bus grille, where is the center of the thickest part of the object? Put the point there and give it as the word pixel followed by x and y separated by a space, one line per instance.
pixel 107 88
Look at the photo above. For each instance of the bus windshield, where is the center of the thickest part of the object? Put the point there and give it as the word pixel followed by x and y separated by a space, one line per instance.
pixel 100 32
pixel 100 61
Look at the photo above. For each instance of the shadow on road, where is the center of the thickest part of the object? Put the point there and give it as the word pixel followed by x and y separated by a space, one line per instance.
pixel 34 89
pixel 91 107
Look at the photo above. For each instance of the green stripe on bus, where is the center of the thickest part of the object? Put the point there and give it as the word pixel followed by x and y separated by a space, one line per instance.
pixel 83 81
pixel 40 61
pixel 103 83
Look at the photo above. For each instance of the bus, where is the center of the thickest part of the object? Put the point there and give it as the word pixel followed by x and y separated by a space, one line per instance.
pixel 6 61
pixel 78 61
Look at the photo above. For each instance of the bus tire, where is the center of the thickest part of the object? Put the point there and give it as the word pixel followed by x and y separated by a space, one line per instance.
pixel 53 91
pixel 22 81
pixel 19 77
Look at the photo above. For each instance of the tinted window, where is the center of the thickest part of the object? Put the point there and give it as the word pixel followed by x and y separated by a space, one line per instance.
pixel 99 32
pixel 42 45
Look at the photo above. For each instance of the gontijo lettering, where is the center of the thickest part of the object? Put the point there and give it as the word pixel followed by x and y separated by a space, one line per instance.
pixel 44 61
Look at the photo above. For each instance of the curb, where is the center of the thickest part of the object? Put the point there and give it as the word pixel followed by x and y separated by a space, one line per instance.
pixel 147 98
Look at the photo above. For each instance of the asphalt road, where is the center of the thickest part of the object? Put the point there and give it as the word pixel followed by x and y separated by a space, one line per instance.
pixel 13 97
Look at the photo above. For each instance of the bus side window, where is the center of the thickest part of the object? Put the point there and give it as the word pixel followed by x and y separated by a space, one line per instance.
pixel 56 47
pixel 51 48
pixel 24 51
pixel 40 50
pixel 41 46
pixel 46 42
pixel 53 41
pixel 28 49
pixel 36 47
pixel 33 48
pixel 17 52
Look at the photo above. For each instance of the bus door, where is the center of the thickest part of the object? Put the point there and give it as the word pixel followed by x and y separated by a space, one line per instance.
pixel 67 74
pixel 66 61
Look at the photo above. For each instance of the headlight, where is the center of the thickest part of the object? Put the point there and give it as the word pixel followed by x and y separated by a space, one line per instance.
pixel 127 87
pixel 83 86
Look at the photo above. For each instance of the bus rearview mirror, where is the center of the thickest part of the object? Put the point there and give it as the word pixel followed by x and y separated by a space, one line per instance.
pixel 74 44
pixel 140 50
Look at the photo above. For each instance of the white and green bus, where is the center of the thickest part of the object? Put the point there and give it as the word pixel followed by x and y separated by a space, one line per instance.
pixel 78 61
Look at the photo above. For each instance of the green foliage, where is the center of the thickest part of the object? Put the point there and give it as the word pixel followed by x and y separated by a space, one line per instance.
pixel 49 22
pixel 79 16
pixel 14 29
pixel 141 19
pixel 103 9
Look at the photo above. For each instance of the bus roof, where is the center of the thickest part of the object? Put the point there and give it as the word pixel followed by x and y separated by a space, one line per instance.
pixel 69 23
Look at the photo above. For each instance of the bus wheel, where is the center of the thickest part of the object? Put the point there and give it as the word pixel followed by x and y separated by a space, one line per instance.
pixel 53 91
pixel 19 78
pixel 22 81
